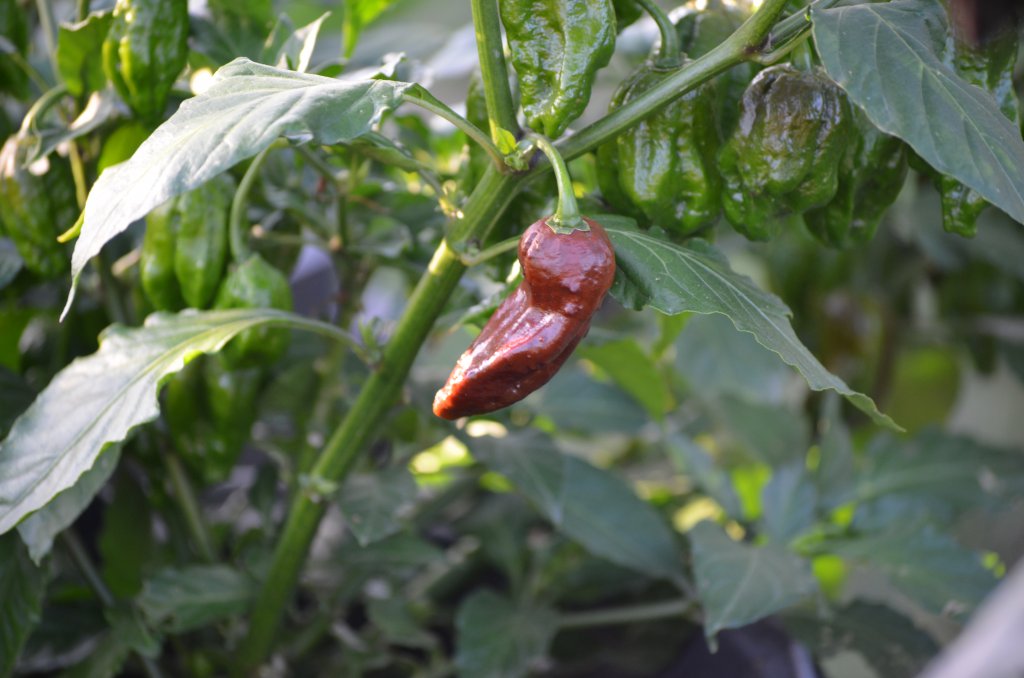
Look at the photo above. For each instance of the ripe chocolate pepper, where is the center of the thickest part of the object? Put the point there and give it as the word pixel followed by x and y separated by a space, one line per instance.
pixel 536 328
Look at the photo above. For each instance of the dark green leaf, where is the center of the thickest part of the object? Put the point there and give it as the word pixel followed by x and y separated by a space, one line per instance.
pixel 126 542
pixel 21 589
pixel 79 53
pixel 587 504
pixel 930 567
pixel 129 627
pixel 15 397
pixel 181 599
pixel 97 400
pixel 634 371
pixel 394 618
pixel 739 584
pixel 788 502
pixel 499 638
pixel 374 503
pixel 106 660
pixel 888 641
pixel 697 278
pixel 10 262
pixel 693 460
pixel 247 107
pixel 887 58
pixel 358 14
pixel 772 434
pixel 576 402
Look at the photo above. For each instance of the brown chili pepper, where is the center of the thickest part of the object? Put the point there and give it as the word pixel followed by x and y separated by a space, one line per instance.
pixel 536 328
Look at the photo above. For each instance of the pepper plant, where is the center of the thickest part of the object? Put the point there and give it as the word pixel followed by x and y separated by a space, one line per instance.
pixel 238 257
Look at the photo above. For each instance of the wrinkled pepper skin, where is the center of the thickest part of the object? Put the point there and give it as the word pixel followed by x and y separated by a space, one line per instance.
pixel 535 329
pixel 38 205
pixel 557 47
pixel 255 284
pixel 700 32
pixel 231 397
pixel 144 52
pixel 665 166
pixel 202 241
pixel 870 178
pixel 785 154
pixel 990 67
pixel 626 12
pixel 156 259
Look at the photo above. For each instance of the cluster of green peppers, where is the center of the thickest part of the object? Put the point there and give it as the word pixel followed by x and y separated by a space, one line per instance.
pixel 210 406
pixel 39 204
pixel 145 50
pixel 990 67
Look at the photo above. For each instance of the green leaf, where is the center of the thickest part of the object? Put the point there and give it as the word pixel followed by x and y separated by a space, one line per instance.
pixel 739 584
pixel 889 642
pixel 181 599
pixel 887 58
pixel 40 528
pixel 10 262
pixel 247 107
pixel 693 460
pixel 358 14
pixel 575 402
pixel 394 618
pixel 930 567
pixel 97 400
pixel 788 502
pixel 79 53
pixel 634 371
pixel 15 397
pixel 106 660
pixel 773 434
pixel 589 505
pixel 288 47
pixel 126 542
pixel 130 628
pixel 499 638
pixel 697 278
pixel 374 503
pixel 21 589
pixel 716 359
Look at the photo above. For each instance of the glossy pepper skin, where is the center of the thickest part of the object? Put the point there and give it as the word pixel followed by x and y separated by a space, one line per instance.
pixel 557 47
pixel 38 204
pixel 201 250
pixel 255 284
pixel 664 168
pixel 156 259
pixel 870 178
pixel 536 328
pixel 144 52
pixel 989 66
pixel 784 155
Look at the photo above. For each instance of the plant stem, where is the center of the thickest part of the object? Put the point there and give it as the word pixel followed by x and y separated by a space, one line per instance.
pixel 491 252
pixel 49 32
pixel 190 508
pixel 82 9
pixel 78 554
pixel 626 615
pixel 501 110
pixel 491 196
pixel 567 215
pixel 427 101
pixel 668 53
pixel 237 223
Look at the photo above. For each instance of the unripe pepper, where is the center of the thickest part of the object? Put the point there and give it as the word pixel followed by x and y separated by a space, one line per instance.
pixel 145 50
pixel 255 284
pixel 38 205
pixel 663 169
pixel 784 156
pixel 557 47
pixel 202 241
pixel 870 178
pixel 156 259
pixel 536 328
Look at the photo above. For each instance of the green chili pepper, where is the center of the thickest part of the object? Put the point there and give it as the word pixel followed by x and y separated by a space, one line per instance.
pixel 202 242
pixel 145 50
pixel 664 168
pixel 626 12
pixel 557 48
pixel 156 259
pixel 700 31
pixel 38 205
pixel 870 178
pixel 231 397
pixel 784 156
pixel 255 284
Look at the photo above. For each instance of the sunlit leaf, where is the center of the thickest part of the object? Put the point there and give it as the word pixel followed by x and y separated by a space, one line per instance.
pixel 79 54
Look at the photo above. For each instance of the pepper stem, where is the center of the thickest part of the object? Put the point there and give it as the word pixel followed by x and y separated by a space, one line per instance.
pixel 668 55
pixel 237 224
pixel 567 215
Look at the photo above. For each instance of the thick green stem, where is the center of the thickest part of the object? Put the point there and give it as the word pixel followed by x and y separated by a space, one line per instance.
pixel 567 215
pixel 668 54
pixel 238 225
pixel 501 109
pixel 492 195
pixel 428 102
